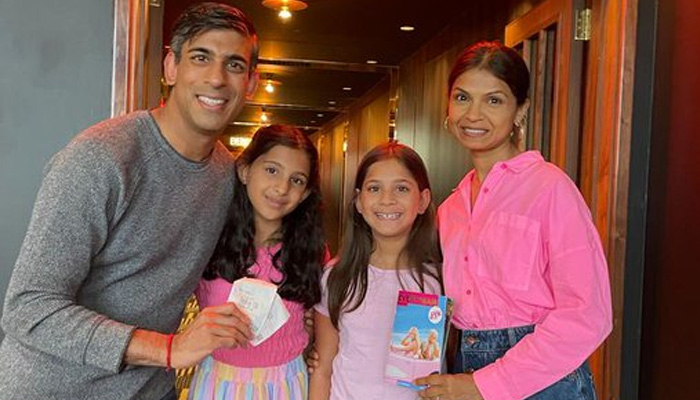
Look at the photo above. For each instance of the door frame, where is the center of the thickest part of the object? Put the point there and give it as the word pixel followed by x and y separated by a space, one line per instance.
pixel 640 162
pixel 136 55
pixel 566 124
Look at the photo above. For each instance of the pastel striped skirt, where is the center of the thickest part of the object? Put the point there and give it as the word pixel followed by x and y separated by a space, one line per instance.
pixel 214 380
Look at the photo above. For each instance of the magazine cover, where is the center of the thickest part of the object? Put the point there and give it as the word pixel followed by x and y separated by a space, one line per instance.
pixel 418 338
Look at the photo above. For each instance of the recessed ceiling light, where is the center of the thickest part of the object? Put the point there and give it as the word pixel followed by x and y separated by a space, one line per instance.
pixel 332 102
pixel 313 121
pixel 371 61
pixel 347 88
pixel 319 115
pixel 407 28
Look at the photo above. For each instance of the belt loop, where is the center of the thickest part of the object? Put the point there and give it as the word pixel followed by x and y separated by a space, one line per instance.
pixel 512 337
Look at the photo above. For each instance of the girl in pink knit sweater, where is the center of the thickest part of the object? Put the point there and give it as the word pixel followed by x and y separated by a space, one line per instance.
pixel 273 233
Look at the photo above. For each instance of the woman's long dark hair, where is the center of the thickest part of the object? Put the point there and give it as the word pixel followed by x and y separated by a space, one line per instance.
pixel 301 256
pixel 347 282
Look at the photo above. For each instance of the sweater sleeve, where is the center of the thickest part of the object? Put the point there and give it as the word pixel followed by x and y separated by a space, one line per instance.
pixel 582 314
pixel 68 227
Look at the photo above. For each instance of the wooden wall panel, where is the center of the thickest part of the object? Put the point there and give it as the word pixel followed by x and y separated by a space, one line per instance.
pixel 605 148
pixel 363 127
pixel 330 147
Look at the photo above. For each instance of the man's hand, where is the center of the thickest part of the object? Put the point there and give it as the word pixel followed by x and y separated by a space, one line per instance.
pixel 449 387
pixel 214 327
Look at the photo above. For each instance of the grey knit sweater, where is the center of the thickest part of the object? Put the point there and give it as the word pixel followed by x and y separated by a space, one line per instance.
pixel 121 231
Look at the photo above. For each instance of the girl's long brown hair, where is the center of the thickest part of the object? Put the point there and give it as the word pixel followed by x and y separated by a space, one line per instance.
pixel 347 281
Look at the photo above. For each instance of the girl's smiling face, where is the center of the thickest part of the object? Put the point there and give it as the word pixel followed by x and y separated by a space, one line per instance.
pixel 390 200
pixel 276 183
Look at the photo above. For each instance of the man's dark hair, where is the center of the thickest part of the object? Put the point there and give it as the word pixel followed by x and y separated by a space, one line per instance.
pixel 205 17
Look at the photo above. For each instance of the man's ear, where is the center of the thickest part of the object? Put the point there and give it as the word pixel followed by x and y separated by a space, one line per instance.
pixel 170 68
pixel 252 85
pixel 242 171
pixel 425 197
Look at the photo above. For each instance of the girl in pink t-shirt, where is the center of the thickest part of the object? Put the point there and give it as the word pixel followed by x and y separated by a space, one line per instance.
pixel 390 244
pixel 273 233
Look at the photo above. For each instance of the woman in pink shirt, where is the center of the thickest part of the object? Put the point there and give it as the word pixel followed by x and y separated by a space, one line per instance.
pixel 522 258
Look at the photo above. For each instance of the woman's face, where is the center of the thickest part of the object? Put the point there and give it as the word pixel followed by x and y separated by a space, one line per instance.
pixel 481 113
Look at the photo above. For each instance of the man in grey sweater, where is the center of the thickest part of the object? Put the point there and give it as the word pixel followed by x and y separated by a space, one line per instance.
pixel 126 219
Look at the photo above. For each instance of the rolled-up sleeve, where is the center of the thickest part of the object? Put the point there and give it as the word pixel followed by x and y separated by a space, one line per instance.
pixel 582 314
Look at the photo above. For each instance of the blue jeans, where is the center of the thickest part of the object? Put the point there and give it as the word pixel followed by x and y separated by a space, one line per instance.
pixel 481 348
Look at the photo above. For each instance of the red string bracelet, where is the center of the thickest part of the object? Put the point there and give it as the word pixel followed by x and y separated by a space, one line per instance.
pixel 169 352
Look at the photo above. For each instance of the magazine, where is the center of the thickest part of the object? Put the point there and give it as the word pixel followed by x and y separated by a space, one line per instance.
pixel 418 338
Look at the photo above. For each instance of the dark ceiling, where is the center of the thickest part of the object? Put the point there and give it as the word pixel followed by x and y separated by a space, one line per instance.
pixel 323 49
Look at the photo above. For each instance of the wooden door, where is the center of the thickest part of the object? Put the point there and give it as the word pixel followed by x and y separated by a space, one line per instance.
pixel 545 38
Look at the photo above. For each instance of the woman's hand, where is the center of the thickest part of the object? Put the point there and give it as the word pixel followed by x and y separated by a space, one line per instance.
pixel 449 387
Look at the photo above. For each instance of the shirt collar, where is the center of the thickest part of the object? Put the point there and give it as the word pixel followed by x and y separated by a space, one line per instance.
pixel 516 164
pixel 521 162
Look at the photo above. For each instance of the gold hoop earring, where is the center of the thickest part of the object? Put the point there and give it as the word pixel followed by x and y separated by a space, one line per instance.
pixel 445 122
pixel 517 127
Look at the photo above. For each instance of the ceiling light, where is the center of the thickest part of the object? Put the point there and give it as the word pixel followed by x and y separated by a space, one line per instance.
pixel 407 28
pixel 263 117
pixel 285 7
pixel 270 85
pixel 371 61
pixel 319 115
pixel 332 102
pixel 285 13
pixel 347 88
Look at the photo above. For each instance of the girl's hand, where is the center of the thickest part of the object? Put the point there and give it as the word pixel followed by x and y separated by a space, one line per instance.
pixel 214 327
pixel 311 358
pixel 449 387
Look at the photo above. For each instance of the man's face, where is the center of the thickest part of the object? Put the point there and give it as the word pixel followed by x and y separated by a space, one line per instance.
pixel 212 80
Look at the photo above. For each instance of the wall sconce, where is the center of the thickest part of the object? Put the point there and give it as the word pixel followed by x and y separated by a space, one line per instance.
pixel 270 84
pixel 264 117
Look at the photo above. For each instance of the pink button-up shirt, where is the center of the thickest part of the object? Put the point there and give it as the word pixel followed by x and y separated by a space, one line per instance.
pixel 526 253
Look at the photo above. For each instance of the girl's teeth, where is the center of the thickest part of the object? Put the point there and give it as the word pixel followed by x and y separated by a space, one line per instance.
pixel 388 215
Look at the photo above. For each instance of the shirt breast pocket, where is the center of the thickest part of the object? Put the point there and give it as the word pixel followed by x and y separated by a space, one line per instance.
pixel 507 249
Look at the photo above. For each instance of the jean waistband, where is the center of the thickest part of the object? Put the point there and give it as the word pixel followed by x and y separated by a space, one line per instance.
pixel 495 338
